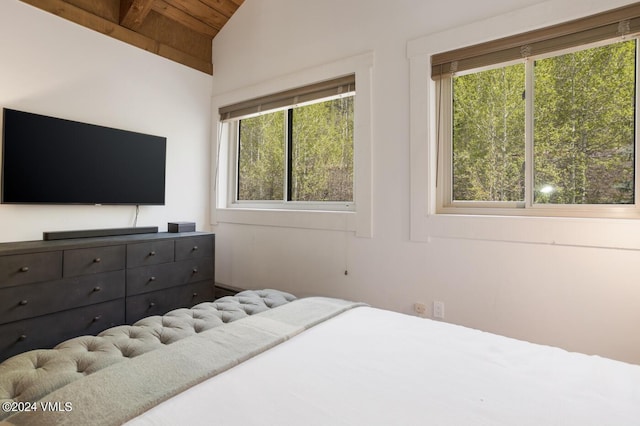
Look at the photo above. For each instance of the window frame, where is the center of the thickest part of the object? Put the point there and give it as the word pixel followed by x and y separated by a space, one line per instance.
pixel 286 202
pixel 444 139
pixel 359 220
pixel 528 232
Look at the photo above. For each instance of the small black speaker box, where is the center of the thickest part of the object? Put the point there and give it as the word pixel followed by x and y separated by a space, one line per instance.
pixel 181 226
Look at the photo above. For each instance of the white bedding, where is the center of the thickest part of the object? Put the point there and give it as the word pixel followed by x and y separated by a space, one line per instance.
pixel 374 367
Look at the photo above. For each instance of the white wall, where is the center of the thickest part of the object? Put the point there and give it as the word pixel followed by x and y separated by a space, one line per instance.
pixel 54 67
pixel 581 298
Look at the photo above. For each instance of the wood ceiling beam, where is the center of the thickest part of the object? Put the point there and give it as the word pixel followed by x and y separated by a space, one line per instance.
pixel 104 26
pixel 200 11
pixel 225 7
pixel 171 12
pixel 134 12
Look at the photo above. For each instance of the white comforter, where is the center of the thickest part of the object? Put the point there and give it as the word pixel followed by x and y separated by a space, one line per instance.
pixel 374 367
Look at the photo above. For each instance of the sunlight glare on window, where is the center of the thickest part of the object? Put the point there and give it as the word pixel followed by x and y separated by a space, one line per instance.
pixel 584 125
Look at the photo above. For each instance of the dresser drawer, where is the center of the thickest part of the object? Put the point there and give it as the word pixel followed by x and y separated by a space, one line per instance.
pixel 93 260
pixel 151 278
pixel 194 247
pixel 26 301
pixel 161 302
pixel 30 268
pixel 150 253
pixel 49 330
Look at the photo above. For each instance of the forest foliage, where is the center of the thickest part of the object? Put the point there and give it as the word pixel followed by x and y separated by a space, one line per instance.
pixel 583 129
pixel 309 159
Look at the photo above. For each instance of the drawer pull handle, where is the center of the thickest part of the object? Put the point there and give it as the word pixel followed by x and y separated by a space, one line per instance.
pixel 152 279
pixel 97 260
pixel 24 269
pixel 195 270
pixel 23 302
pixel 97 318
pixel 195 248
pixel 152 253
pixel 97 288
pixel 22 337
pixel 195 295
pixel 152 304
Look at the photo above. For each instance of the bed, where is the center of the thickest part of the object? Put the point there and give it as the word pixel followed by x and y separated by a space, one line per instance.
pixel 278 360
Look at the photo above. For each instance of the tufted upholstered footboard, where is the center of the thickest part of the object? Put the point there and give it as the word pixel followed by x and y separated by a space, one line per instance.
pixel 32 375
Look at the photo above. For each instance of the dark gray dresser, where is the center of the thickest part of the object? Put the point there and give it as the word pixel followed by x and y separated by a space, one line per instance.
pixel 51 291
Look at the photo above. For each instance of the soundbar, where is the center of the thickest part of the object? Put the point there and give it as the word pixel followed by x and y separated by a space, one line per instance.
pixel 89 233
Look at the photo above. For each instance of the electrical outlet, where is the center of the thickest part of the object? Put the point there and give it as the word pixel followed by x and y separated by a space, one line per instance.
pixel 420 308
pixel 438 309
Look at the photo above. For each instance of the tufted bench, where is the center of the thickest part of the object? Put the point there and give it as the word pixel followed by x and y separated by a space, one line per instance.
pixel 32 375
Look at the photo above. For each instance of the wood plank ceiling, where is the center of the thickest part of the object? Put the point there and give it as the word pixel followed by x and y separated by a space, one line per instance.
pixel 180 30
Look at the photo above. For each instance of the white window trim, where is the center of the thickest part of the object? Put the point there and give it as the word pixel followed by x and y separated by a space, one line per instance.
pixel 426 223
pixel 232 190
pixel 527 207
pixel 297 215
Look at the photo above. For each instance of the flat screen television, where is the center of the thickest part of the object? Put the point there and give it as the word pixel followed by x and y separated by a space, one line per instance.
pixel 47 160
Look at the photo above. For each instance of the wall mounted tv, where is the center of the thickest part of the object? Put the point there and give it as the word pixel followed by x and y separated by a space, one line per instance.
pixel 47 160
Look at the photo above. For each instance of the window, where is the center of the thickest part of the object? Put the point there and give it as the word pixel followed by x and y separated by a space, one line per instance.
pixel 301 154
pixel 345 167
pixel 488 142
pixel 546 128
pixel 297 150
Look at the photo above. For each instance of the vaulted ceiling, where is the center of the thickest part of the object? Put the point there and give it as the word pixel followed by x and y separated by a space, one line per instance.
pixel 180 30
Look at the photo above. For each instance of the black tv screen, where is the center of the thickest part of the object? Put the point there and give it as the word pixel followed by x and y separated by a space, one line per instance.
pixel 47 160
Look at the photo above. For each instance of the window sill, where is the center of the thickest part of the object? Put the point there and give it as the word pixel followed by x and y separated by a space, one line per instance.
pixel 329 206
pixel 560 231
pixel 547 211
pixel 305 219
